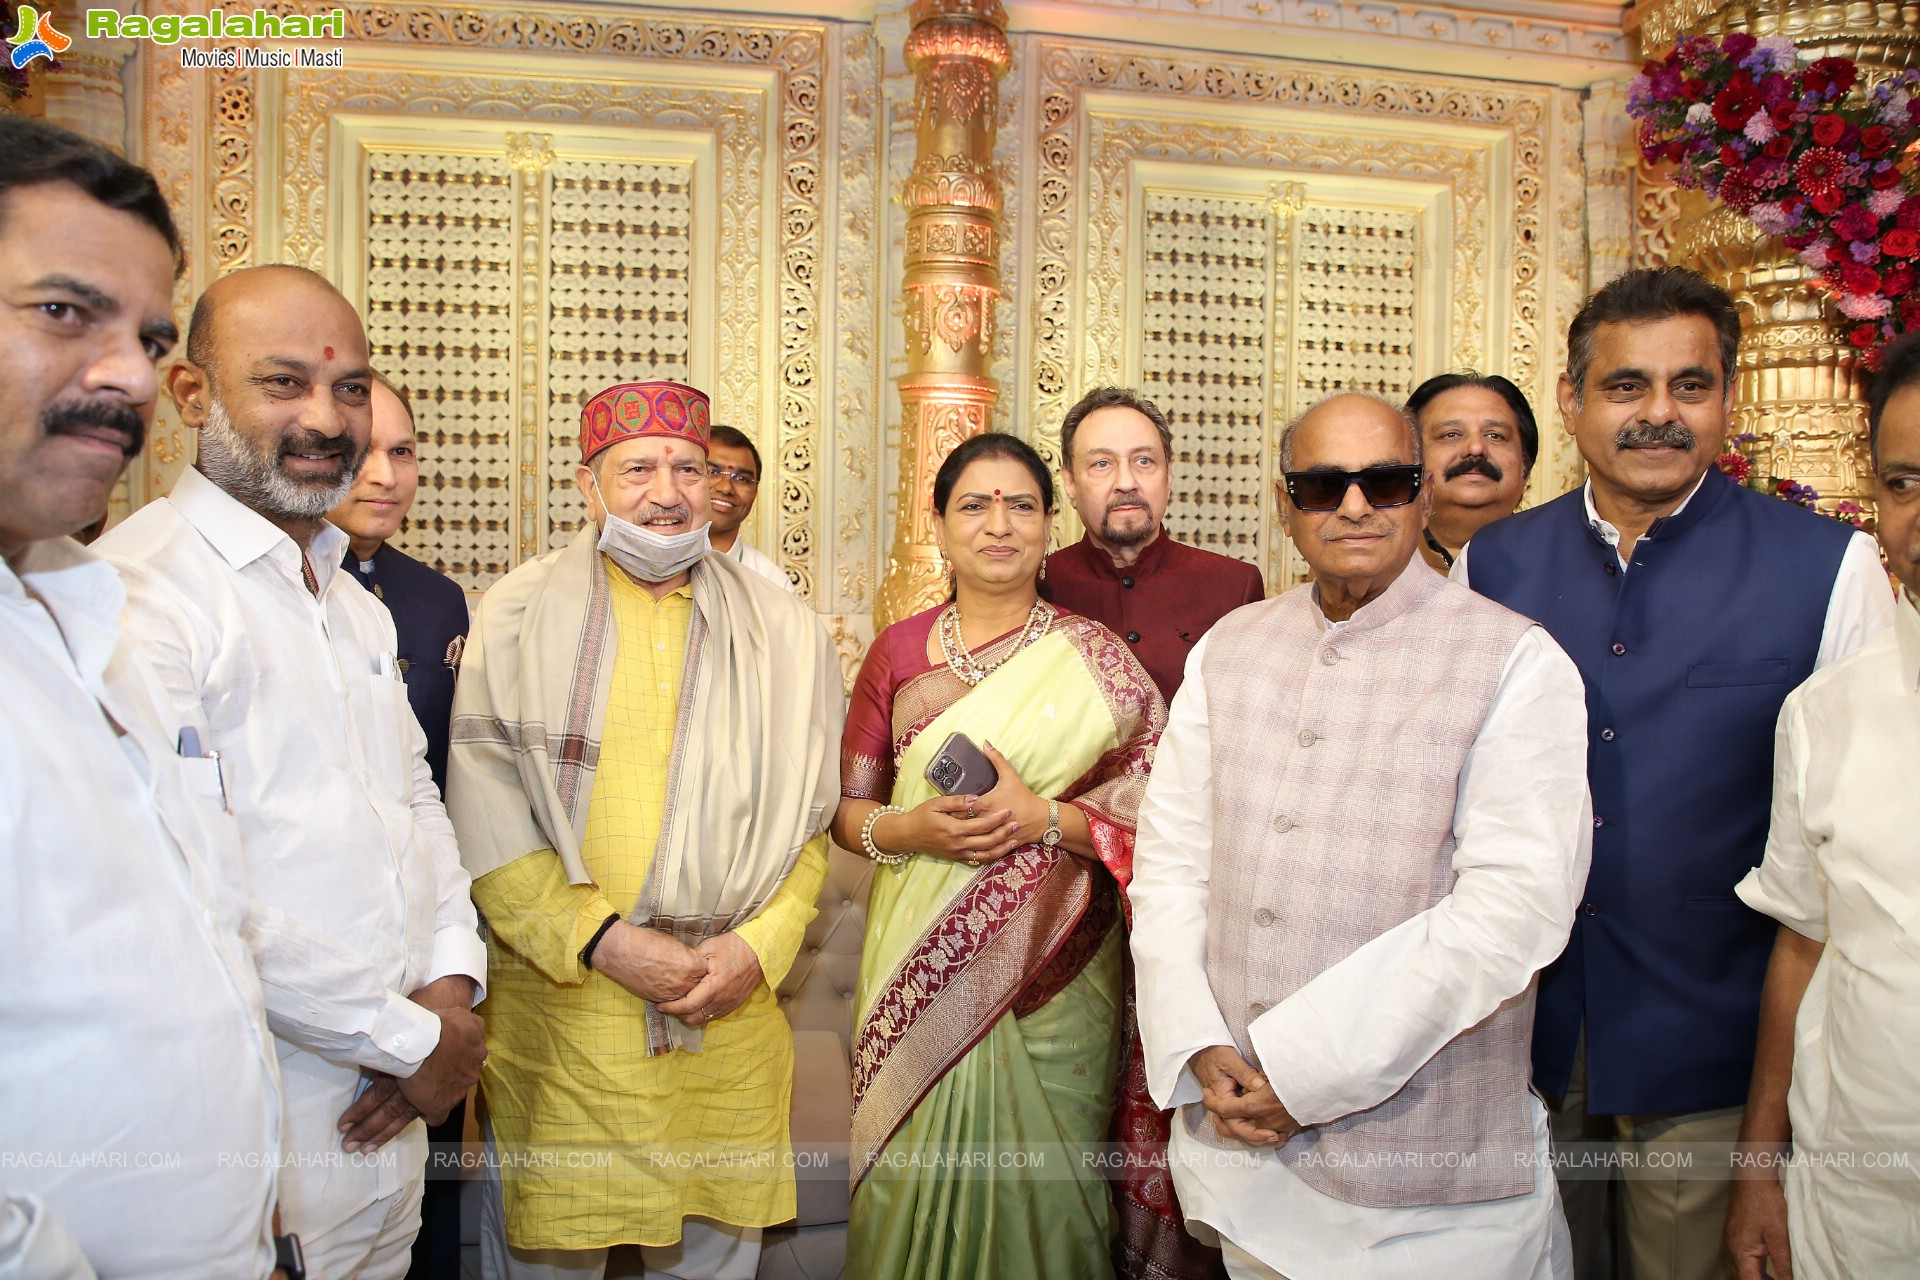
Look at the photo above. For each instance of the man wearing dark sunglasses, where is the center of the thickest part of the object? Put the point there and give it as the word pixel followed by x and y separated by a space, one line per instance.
pixel 1364 834
pixel 1693 607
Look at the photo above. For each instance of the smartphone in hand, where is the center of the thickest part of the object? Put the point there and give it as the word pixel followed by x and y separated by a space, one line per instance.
pixel 960 768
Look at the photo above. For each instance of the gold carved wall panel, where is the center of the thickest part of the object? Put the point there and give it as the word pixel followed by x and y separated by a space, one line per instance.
pixel 251 158
pixel 1500 165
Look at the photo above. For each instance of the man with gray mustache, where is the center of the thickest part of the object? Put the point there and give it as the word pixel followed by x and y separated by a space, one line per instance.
pixel 365 936
pixel 1692 607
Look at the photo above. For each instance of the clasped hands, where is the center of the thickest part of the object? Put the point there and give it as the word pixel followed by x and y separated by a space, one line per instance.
pixel 391 1103
pixel 1239 1099
pixel 694 984
pixel 975 830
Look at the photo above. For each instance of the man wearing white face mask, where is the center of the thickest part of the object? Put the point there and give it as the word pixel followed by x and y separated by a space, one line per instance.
pixel 641 775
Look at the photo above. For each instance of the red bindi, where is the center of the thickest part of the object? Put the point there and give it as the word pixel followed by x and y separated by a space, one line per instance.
pixel 329 353
pixel 996 493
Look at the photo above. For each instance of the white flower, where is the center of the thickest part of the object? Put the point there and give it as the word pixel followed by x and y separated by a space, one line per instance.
pixel 1894 110
pixel 1700 113
pixel 1780 51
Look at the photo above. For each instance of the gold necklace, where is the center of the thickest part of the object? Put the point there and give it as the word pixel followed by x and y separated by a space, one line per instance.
pixel 962 662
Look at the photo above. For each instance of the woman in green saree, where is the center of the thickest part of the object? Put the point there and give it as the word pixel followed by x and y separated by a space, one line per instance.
pixel 991 1001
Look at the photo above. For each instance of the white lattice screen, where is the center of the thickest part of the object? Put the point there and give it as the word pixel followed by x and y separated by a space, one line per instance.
pixel 619 280
pixel 1247 316
pixel 1205 321
pixel 440 282
pixel 1353 292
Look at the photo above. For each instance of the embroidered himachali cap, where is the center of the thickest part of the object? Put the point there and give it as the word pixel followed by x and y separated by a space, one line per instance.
pixel 627 409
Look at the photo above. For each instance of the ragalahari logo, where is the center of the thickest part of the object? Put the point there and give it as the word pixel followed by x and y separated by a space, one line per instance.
pixel 34 36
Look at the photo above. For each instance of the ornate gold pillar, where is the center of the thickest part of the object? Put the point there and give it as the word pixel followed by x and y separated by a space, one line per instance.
pixel 958 51
pixel 1798 385
pixel 85 94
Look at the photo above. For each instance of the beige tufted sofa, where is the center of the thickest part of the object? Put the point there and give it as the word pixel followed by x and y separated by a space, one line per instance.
pixel 818 999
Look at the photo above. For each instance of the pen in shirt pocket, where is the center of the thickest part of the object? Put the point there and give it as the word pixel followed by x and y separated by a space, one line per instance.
pixel 190 750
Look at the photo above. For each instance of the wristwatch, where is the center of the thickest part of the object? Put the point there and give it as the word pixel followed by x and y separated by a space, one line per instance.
pixel 1051 837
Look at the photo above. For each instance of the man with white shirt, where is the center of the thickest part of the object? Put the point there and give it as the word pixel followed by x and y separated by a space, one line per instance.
pixel 140 1117
pixel 733 473
pixel 1839 1025
pixel 1692 607
pixel 373 961
pixel 1366 830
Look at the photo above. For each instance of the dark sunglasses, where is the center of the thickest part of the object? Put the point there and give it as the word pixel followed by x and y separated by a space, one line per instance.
pixel 1387 486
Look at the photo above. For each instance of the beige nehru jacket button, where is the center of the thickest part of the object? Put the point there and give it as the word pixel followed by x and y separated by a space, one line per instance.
pixel 1329 656
pixel 1283 824
pixel 1263 917
pixel 1308 737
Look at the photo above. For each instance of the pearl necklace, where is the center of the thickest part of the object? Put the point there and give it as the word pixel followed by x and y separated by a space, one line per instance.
pixel 962 663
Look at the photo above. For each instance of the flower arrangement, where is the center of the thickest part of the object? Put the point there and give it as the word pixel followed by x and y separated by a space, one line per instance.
pixel 1737 463
pixel 1807 159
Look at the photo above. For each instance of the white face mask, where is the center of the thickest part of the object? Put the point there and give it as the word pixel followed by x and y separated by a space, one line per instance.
pixel 650 556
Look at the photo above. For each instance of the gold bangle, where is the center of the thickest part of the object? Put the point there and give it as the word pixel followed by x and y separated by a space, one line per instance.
pixel 873 850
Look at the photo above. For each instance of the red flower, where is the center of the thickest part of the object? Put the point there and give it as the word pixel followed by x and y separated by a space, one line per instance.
pixel 1856 224
pixel 1837 74
pixel 1881 179
pixel 1778 147
pixel 1730 156
pixel 1875 141
pixel 1738 466
pixel 1693 89
pixel 1819 170
pixel 1783 114
pixel 1734 105
pixel 1897 283
pixel 1828 129
pixel 1738 45
pixel 1909 216
pixel 1900 243
pixel 1738 193
pixel 1910 314
pixel 1863 335
pixel 1826 201
pixel 1860 278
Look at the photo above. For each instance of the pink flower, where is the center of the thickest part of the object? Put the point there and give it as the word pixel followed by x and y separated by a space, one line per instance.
pixel 1864 306
pixel 1770 218
pixel 1780 51
pixel 1884 204
pixel 1816 254
pixel 1759 128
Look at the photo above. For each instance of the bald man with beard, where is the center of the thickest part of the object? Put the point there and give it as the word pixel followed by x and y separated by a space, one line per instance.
pixel 368 950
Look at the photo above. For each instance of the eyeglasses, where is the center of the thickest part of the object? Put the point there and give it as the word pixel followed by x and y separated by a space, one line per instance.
pixel 745 479
pixel 1387 486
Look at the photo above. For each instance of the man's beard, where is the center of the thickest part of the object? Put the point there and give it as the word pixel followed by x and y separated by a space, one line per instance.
pixel 244 468
pixel 1114 536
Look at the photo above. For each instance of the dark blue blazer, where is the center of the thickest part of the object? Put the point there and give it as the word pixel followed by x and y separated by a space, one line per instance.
pixel 1686 659
pixel 430 616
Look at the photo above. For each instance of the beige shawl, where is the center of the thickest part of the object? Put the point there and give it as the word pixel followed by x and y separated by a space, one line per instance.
pixel 754 773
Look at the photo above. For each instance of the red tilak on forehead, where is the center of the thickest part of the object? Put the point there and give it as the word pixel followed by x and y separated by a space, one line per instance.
pixel 996 493
pixel 329 353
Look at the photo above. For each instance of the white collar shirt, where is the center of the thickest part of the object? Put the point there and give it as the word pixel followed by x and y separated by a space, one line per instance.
pixel 1840 869
pixel 1353 1036
pixel 360 898
pixel 758 561
pixel 141 1112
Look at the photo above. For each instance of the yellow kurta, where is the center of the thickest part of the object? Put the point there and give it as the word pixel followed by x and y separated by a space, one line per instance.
pixel 600 1144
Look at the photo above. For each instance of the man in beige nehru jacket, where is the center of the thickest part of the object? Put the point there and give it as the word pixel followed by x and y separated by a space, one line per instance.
pixel 1366 830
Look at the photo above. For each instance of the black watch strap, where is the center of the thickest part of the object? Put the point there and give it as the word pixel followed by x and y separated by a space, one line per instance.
pixel 586 952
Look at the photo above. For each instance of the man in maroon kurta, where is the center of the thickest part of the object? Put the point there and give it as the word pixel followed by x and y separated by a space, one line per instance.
pixel 1159 595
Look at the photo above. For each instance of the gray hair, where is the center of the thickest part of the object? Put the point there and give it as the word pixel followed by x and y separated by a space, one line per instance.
pixel 1399 411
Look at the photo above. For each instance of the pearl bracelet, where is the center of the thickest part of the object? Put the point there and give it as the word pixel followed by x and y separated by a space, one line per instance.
pixel 873 850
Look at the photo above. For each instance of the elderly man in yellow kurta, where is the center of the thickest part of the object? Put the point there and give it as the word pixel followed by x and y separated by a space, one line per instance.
pixel 641 776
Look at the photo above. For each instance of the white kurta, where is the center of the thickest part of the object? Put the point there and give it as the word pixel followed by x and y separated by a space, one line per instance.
pixel 361 898
pixel 1843 867
pixel 1341 1039
pixel 140 1115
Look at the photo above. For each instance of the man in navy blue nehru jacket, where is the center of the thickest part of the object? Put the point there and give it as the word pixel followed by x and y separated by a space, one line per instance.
pixel 430 620
pixel 1692 607
pixel 429 609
